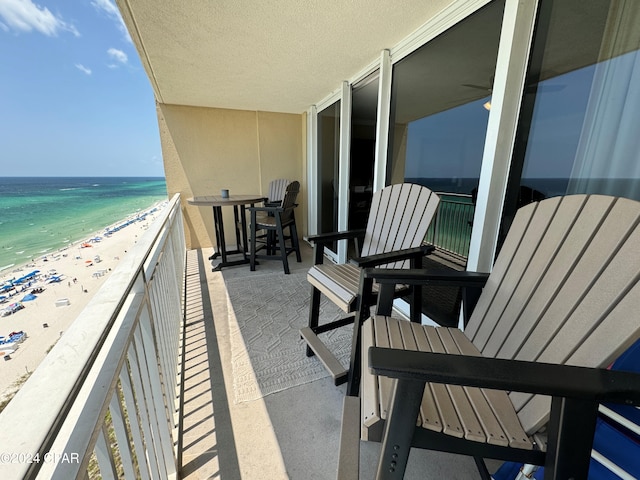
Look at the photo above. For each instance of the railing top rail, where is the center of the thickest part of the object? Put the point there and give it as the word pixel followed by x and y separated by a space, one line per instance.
pixel 451 194
pixel 39 408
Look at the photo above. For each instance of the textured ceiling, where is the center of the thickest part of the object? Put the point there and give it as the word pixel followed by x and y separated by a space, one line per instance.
pixel 277 56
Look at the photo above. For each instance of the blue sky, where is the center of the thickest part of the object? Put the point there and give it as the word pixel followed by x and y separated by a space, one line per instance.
pixel 74 98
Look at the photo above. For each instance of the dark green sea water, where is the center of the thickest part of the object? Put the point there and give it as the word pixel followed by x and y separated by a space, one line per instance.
pixel 39 215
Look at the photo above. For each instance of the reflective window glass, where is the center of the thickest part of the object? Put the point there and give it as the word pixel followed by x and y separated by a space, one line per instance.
pixel 328 162
pixel 440 101
pixel 578 130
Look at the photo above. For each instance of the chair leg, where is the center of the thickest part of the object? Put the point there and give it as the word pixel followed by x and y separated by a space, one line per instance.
pixel 314 313
pixel 398 431
pixel 294 240
pixel 270 241
pixel 572 425
pixel 355 367
pixel 363 312
pixel 252 256
pixel 283 247
pixel 482 468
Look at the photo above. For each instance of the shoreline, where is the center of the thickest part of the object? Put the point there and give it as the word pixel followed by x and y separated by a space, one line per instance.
pixel 82 268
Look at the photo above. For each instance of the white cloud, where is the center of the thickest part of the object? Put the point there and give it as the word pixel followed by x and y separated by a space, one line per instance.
pixel 83 69
pixel 25 16
pixel 118 55
pixel 110 9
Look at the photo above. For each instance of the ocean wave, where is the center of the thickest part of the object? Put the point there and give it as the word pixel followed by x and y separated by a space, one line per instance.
pixel 6 266
pixel 44 250
pixel 20 252
pixel 66 189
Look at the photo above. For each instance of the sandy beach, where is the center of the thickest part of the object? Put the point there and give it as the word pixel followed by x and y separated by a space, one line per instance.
pixel 82 268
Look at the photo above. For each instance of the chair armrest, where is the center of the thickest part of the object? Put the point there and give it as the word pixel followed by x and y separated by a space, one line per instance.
pixel 422 277
pixel 264 209
pixel 510 375
pixel 388 257
pixel 324 238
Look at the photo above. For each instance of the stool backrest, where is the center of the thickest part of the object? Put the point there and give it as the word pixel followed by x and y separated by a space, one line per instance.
pixel 399 218
pixel 277 190
pixel 564 289
pixel 289 200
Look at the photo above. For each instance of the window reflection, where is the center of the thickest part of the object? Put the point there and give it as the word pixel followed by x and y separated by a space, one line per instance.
pixel 579 122
pixel 364 104
pixel 439 121
pixel 328 155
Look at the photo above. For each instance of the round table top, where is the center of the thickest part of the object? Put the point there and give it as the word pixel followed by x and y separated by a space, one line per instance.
pixel 218 201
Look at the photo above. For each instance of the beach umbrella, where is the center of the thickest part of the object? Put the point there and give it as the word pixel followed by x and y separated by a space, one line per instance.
pixel 28 297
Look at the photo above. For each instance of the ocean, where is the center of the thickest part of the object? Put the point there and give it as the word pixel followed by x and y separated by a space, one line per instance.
pixel 40 215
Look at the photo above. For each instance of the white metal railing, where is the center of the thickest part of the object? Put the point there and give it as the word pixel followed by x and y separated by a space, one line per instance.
pixel 104 399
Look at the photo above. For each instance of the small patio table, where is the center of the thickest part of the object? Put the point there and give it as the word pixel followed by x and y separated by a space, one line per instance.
pixel 239 203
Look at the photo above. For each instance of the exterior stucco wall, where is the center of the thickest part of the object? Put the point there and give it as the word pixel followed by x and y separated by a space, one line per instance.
pixel 208 149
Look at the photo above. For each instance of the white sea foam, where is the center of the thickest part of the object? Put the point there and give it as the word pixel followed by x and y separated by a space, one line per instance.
pixel 6 266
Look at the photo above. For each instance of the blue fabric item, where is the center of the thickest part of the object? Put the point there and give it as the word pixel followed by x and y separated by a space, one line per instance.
pixel 629 361
pixel 615 445
pixel 508 471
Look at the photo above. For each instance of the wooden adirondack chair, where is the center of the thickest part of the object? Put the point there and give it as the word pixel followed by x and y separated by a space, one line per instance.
pixel 275 219
pixel 397 224
pixel 560 305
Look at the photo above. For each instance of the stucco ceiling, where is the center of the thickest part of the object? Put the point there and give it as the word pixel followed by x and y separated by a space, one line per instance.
pixel 277 56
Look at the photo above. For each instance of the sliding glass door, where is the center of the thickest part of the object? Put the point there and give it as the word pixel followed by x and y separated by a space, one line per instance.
pixel 578 130
pixel 440 102
pixel 364 103
pixel 328 165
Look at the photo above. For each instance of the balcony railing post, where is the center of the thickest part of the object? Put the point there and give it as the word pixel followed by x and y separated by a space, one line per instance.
pixel 135 421
pixel 158 396
pixel 145 419
pixel 105 456
pixel 120 429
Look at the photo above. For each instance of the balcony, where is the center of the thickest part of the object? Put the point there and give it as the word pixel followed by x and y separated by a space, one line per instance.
pixel 142 385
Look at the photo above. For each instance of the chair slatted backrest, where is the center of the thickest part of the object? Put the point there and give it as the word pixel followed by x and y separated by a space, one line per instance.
pixel 289 199
pixel 564 289
pixel 277 190
pixel 399 218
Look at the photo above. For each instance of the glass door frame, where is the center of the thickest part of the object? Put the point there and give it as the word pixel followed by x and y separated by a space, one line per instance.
pixel 313 175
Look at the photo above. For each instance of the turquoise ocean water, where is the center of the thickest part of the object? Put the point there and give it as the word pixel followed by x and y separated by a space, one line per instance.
pixel 39 215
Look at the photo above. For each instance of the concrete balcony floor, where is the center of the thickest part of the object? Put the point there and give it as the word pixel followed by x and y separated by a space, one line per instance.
pixel 292 434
